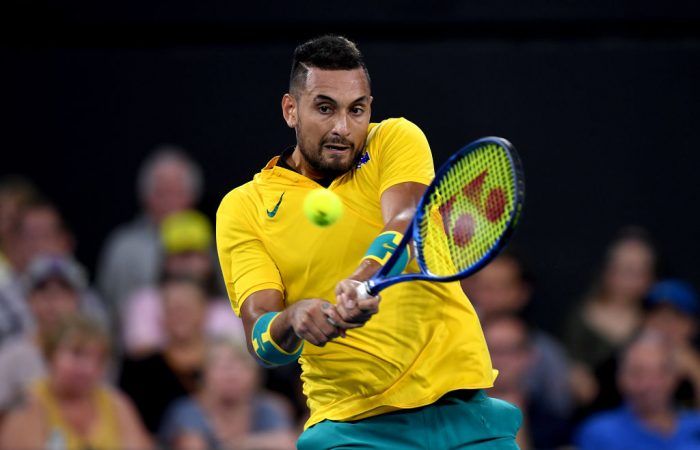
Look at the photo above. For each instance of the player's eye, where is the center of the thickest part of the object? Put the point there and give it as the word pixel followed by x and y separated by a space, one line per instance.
pixel 324 109
pixel 357 110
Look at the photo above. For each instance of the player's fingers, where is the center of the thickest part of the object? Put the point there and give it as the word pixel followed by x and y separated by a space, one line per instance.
pixel 315 336
pixel 362 319
pixel 335 319
pixel 324 330
pixel 348 292
pixel 360 312
pixel 345 300
pixel 347 314
pixel 308 330
pixel 355 316
pixel 368 306
pixel 341 331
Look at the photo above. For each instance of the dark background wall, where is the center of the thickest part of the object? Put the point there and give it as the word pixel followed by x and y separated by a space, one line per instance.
pixel 601 100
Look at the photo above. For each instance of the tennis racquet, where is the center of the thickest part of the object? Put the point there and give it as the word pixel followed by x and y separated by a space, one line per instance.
pixel 465 217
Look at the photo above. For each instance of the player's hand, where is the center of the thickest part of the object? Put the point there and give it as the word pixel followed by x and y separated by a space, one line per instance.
pixel 352 304
pixel 315 320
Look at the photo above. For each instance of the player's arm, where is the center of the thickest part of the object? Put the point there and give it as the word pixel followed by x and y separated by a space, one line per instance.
pixel 398 203
pixel 274 334
pixel 267 321
pixel 406 170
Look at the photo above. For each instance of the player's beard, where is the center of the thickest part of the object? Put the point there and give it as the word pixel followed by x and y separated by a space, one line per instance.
pixel 331 166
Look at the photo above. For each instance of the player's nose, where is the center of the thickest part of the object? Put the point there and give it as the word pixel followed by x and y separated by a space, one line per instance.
pixel 340 126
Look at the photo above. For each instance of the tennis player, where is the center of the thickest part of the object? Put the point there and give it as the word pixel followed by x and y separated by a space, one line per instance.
pixel 406 372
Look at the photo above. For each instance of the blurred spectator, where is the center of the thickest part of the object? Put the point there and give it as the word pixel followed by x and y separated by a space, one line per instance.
pixel 41 232
pixel 230 411
pixel 168 181
pixel 187 239
pixel 504 287
pixel 609 315
pixel 15 192
pixel 53 286
pixel 38 230
pixel 672 312
pixel 155 380
pixel 71 408
pixel 513 354
pixel 647 378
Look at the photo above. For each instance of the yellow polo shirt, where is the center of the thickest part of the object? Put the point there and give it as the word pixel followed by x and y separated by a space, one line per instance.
pixel 425 340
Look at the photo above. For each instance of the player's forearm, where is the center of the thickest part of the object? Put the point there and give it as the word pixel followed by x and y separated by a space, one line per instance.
pixel 398 223
pixel 399 203
pixel 283 333
pixel 265 302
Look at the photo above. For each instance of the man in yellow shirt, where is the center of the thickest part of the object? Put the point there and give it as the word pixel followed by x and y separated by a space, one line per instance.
pixel 406 374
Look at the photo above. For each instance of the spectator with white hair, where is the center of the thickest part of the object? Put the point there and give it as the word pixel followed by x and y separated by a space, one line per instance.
pixel 168 181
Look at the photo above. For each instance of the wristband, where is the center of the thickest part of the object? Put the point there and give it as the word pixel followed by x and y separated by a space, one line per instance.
pixel 269 353
pixel 381 249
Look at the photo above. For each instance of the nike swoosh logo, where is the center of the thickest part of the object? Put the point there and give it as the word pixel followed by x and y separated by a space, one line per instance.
pixel 277 206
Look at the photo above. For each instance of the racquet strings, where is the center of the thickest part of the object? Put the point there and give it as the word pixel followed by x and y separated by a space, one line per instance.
pixel 468 212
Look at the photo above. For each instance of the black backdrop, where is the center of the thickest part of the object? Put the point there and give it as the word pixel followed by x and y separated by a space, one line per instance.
pixel 602 102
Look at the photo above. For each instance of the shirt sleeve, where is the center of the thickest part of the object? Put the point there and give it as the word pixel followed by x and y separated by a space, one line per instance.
pixel 246 265
pixel 404 154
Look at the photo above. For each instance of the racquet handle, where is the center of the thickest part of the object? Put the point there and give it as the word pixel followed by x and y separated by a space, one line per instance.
pixel 363 291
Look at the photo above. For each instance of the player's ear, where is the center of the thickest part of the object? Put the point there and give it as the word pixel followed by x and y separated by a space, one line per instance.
pixel 289 110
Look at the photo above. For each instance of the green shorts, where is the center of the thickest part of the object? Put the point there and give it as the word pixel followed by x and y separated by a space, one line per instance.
pixel 459 420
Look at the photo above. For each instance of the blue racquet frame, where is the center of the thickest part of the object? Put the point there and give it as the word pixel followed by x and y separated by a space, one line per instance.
pixel 380 280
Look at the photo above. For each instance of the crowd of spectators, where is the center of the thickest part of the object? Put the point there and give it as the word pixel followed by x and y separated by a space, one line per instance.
pixel 152 356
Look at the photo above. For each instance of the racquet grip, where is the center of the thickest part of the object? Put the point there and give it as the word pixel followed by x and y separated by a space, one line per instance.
pixel 363 291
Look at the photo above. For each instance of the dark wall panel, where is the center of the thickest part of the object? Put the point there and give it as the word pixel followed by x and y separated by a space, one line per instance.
pixel 607 129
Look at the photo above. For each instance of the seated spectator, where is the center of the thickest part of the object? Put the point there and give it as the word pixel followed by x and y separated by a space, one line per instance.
pixel 672 312
pixel 647 378
pixel 41 232
pixel 513 353
pixel 15 192
pixel 230 411
pixel 71 408
pixel 187 239
pixel 154 381
pixel 609 316
pixel 504 287
pixel 53 287
pixel 168 181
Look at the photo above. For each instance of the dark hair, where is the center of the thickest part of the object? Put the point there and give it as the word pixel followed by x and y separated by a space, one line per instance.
pixel 328 52
pixel 634 234
pixel 39 203
pixel 184 279
pixel 517 319
pixel 519 258
pixel 623 235
pixel 18 185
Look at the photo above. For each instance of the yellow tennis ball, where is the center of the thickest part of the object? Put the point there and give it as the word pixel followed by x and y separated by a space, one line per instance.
pixel 323 207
